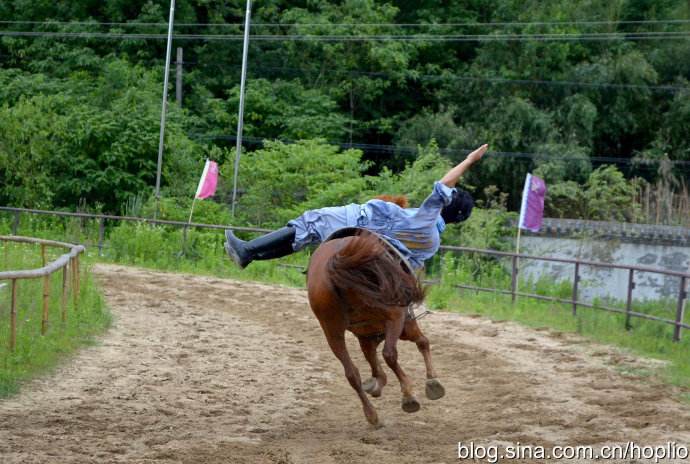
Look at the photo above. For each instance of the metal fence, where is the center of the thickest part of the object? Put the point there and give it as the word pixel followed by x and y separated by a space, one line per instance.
pixel 68 263
pixel 102 218
pixel 577 264
pixel 677 322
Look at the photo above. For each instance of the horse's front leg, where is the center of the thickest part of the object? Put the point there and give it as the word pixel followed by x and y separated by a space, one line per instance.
pixel 394 327
pixel 412 332
pixel 378 379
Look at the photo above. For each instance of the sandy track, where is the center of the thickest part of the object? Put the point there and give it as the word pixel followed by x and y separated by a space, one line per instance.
pixel 203 370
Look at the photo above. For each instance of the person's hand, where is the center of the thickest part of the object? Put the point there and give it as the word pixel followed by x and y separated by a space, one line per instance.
pixel 452 176
pixel 477 154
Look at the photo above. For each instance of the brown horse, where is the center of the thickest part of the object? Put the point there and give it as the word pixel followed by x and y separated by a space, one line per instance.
pixel 358 283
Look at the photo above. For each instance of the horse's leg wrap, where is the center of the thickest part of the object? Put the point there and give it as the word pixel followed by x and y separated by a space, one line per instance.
pixel 434 390
pixel 378 380
pixel 394 329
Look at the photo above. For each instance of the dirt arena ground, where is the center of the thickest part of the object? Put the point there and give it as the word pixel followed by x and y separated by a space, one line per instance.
pixel 203 370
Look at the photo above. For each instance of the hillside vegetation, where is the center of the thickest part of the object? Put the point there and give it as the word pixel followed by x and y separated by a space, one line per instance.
pixel 366 96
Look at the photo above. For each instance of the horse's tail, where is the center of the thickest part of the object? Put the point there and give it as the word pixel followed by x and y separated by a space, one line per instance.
pixel 364 267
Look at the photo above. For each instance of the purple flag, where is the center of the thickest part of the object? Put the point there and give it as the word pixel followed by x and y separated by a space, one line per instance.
pixel 532 208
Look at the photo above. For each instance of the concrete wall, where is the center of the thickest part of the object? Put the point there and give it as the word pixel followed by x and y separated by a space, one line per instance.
pixel 662 247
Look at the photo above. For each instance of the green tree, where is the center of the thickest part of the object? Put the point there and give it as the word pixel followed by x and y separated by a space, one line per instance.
pixel 426 126
pixel 280 181
pixel 605 196
pixel 92 140
pixel 279 109
pixel 561 162
pixel 608 196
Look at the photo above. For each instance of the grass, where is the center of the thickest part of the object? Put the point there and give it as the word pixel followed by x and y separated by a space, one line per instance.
pixel 201 252
pixel 34 353
pixel 645 338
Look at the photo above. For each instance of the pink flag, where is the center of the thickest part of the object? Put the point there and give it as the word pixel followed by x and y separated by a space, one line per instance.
pixel 532 208
pixel 208 181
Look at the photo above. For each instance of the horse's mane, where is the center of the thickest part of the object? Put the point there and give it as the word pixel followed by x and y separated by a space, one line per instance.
pixel 400 200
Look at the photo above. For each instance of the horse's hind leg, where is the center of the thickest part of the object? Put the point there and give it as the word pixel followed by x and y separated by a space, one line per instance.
pixel 339 348
pixel 412 332
pixel 394 329
pixel 378 380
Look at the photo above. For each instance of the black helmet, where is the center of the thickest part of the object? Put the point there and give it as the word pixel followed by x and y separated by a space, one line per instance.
pixel 459 209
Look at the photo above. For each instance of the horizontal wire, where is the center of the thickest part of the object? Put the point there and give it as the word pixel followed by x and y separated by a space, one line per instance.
pixel 443 38
pixel 499 80
pixel 393 25
pixel 504 154
pixel 451 77
pixel 366 38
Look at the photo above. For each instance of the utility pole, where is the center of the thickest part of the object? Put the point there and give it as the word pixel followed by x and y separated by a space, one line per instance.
pixel 240 119
pixel 164 106
pixel 178 77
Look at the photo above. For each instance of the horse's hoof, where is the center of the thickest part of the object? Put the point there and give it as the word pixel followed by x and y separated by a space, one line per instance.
pixel 373 387
pixel 410 404
pixel 378 425
pixel 370 385
pixel 434 389
pixel 373 419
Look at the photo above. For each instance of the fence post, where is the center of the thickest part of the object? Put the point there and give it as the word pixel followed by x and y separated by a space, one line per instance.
pixel 43 254
pixel 82 226
pixel 513 279
pixel 15 223
pixel 13 316
pixel 101 236
pixel 75 296
pixel 441 266
pixel 46 297
pixel 680 309
pixel 628 303
pixel 184 239
pixel 77 285
pixel 576 282
pixel 64 293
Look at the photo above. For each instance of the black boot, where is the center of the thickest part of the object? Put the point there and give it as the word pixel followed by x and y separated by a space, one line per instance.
pixel 272 245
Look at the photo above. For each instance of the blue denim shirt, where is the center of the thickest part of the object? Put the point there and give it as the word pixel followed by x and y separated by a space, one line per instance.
pixel 415 232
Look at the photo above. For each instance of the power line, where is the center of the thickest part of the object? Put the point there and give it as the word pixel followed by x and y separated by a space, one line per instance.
pixel 495 23
pixel 392 25
pixel 453 77
pixel 447 151
pixel 365 38
pixel 498 80
pixel 492 80
pixel 660 88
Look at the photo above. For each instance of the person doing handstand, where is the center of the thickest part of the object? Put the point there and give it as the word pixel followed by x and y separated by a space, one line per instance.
pixel 414 232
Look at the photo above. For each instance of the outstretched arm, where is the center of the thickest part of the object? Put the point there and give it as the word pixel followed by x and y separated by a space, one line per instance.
pixel 451 178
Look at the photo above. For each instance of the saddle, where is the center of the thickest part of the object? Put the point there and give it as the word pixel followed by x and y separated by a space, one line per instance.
pixel 352 231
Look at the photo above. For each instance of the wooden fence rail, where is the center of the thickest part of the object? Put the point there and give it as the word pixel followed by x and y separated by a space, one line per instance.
pixel 68 263
pixel 677 322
